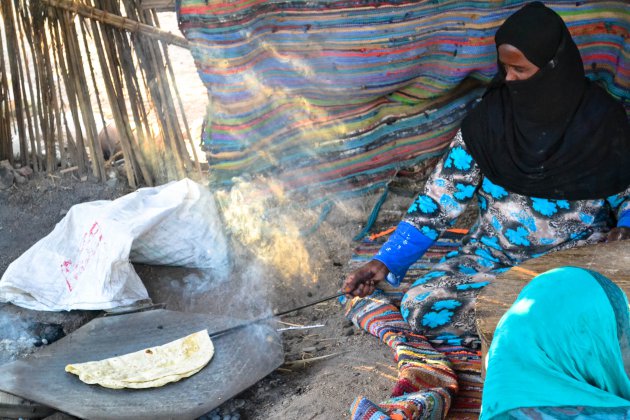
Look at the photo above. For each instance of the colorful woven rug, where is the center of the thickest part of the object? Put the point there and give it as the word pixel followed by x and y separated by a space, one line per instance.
pixel 332 97
pixel 434 381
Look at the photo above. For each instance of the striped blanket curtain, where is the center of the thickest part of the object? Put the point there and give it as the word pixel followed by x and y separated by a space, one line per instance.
pixel 333 97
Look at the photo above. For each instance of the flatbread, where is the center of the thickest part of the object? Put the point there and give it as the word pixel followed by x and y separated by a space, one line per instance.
pixel 149 368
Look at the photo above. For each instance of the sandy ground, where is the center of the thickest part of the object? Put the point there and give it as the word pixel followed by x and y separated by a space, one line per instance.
pixel 274 269
pixel 350 362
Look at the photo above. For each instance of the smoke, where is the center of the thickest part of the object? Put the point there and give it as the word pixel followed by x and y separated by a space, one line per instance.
pixel 15 341
pixel 258 215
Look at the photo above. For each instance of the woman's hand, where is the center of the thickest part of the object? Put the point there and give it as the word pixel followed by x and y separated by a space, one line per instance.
pixel 618 234
pixel 361 282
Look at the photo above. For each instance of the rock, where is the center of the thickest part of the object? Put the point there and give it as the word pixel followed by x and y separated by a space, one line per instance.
pixel 25 171
pixel 19 179
pixel 348 331
pixel 6 175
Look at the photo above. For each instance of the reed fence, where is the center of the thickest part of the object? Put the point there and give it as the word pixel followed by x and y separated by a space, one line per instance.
pixel 71 68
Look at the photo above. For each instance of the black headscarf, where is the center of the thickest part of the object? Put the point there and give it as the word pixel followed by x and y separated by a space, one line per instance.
pixel 555 135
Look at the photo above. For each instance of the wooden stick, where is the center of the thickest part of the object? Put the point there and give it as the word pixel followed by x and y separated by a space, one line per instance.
pixel 161 5
pixel 304 362
pixel 68 78
pixel 70 169
pixel 5 110
pixel 118 21
pixel 160 94
pixel 134 97
pixel 112 86
pixel 25 80
pixel 179 100
pixel 87 114
pixel 35 158
pixel 38 102
pixel 52 104
pixel 13 52
pixel 94 83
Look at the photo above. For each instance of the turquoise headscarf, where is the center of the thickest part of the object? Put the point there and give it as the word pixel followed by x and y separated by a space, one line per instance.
pixel 564 343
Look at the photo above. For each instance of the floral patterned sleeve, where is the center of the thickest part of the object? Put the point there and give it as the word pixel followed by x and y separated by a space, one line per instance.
pixel 620 204
pixel 448 189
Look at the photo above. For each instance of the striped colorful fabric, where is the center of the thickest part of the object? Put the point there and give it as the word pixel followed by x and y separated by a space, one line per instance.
pixel 334 96
pixel 433 379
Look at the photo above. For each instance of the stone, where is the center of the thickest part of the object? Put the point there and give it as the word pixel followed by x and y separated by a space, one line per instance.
pixel 25 171
pixel 19 179
pixel 6 175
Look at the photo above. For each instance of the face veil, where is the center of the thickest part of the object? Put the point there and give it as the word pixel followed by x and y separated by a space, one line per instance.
pixel 555 135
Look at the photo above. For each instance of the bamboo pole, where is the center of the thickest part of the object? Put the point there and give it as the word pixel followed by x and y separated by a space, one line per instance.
pixel 166 112
pixel 150 59
pixel 161 5
pixel 5 109
pixel 36 159
pixel 118 21
pixel 135 98
pixel 157 153
pixel 55 112
pixel 71 95
pixel 13 52
pixel 26 81
pixel 109 78
pixel 77 155
pixel 179 99
pixel 29 124
pixel 80 89
pixel 46 84
pixel 94 83
pixel 183 160
pixel 39 93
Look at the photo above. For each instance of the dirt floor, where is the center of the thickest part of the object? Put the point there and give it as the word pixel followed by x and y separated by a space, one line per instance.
pixel 274 268
pixel 272 271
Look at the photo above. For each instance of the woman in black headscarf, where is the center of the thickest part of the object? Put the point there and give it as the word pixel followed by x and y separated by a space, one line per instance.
pixel 548 132
pixel 546 151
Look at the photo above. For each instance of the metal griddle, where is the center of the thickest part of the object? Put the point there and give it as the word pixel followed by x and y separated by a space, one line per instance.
pixel 242 357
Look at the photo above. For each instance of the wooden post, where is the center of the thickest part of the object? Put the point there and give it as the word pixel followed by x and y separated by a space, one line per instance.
pixel 118 21
pixel 14 53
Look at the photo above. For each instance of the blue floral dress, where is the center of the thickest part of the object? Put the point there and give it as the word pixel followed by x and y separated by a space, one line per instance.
pixel 510 228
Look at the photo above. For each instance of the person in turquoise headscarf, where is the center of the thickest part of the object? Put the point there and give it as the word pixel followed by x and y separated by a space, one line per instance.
pixel 561 351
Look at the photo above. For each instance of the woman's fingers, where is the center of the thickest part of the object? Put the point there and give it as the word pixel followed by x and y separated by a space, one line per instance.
pixel 362 281
pixel 354 282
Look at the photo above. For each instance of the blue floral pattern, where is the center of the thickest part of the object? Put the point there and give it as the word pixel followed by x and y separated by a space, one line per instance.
pixel 459 158
pixel 510 228
pixel 446 304
pixel 436 319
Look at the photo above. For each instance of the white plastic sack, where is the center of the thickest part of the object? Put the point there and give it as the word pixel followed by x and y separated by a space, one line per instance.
pixel 84 263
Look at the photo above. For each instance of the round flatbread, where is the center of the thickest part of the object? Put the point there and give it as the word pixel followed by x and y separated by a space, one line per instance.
pixel 151 367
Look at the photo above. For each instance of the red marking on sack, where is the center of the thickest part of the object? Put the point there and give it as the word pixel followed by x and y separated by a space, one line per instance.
pixel 88 249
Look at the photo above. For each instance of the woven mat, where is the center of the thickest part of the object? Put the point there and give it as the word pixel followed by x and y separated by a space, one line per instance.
pixel 467 363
